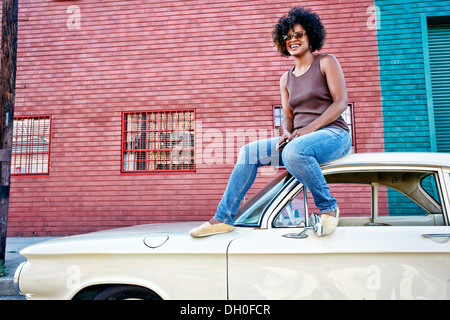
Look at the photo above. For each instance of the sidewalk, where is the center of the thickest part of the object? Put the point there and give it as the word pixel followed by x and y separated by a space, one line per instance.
pixel 13 260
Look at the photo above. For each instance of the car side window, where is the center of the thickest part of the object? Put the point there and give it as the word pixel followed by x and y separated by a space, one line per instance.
pixel 359 206
pixel 428 183
pixel 393 203
pixel 375 198
pixel 293 214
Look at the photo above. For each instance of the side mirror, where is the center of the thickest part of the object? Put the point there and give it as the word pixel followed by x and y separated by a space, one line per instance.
pixel 316 226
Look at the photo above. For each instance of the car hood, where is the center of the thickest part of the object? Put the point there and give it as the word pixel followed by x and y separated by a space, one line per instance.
pixel 150 238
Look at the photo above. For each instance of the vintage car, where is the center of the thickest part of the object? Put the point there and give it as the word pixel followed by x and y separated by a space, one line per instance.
pixel 391 243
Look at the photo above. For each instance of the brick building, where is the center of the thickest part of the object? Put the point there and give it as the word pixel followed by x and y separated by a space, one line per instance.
pixel 132 112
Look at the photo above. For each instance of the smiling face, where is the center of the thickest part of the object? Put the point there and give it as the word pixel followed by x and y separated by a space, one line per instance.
pixel 297 45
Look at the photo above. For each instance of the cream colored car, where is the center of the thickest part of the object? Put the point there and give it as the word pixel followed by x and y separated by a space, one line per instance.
pixel 391 243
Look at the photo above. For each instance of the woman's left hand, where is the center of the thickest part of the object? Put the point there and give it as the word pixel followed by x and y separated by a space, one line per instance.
pixel 299 132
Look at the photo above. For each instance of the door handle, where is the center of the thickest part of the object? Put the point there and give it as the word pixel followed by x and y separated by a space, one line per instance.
pixel 437 237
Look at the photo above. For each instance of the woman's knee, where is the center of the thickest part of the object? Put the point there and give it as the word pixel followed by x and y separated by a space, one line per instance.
pixel 247 153
pixel 291 156
pixel 243 154
pixel 260 153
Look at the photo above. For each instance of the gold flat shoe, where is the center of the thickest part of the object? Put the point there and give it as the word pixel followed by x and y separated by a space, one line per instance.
pixel 208 229
pixel 329 223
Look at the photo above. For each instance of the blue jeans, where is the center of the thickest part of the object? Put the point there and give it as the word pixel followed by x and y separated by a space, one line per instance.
pixel 302 157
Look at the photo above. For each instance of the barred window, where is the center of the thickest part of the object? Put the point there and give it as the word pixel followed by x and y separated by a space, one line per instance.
pixel 349 117
pixel 158 141
pixel 30 145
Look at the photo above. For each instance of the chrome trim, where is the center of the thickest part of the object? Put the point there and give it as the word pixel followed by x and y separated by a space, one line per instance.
pixel 435 159
pixel 17 276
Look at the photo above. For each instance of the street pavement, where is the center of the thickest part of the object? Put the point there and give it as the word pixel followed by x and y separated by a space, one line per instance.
pixel 12 260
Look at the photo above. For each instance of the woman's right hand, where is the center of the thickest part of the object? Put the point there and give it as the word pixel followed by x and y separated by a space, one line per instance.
pixel 287 136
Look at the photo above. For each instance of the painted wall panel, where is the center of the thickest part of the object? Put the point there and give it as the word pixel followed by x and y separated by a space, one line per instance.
pixel 403 72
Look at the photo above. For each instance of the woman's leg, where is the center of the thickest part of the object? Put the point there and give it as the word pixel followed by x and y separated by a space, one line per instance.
pixel 251 157
pixel 303 156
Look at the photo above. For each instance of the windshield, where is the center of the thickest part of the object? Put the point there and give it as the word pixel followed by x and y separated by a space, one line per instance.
pixel 249 214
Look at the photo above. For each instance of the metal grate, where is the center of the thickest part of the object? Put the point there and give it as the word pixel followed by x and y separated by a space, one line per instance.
pixel 30 145
pixel 158 141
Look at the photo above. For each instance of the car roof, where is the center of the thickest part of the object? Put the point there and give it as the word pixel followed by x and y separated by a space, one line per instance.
pixel 438 159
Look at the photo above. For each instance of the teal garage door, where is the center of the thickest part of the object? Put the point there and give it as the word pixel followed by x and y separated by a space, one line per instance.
pixel 439 52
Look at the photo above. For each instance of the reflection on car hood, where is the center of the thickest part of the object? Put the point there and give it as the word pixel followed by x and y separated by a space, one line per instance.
pixel 137 239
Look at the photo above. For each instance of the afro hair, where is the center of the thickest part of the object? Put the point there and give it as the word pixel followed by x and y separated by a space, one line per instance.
pixel 309 20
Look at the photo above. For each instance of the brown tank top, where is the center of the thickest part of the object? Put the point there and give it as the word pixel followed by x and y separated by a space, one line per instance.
pixel 309 96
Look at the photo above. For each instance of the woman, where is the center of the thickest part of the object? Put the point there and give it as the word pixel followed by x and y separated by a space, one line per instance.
pixel 313 95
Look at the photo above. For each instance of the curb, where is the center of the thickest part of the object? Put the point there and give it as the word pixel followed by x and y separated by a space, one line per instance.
pixel 7 286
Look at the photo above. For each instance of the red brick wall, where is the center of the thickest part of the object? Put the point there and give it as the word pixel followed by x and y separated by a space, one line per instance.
pixel 216 57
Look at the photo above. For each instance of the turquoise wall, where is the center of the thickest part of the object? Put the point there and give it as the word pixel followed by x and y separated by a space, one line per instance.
pixel 403 72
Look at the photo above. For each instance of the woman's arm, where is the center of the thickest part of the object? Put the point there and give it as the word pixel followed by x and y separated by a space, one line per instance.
pixel 332 70
pixel 288 117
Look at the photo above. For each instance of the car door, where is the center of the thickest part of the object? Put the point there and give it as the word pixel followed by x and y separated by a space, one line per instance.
pixel 392 242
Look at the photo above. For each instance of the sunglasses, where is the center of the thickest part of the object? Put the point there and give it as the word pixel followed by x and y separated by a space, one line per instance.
pixel 296 35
